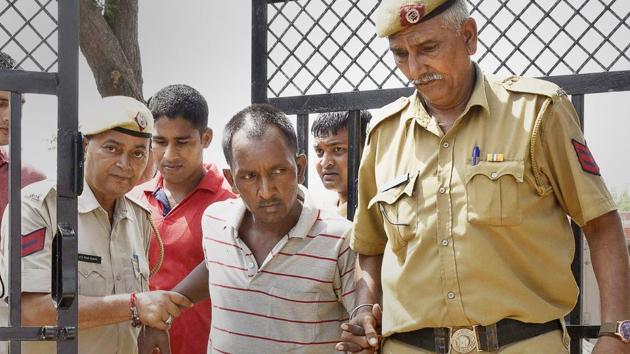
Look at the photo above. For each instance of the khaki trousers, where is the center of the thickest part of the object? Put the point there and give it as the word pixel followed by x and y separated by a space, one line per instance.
pixel 555 342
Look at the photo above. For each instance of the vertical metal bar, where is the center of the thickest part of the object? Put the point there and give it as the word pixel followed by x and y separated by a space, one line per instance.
pixel 67 126
pixel 15 218
pixel 302 135
pixel 259 51
pixel 575 317
pixel 354 157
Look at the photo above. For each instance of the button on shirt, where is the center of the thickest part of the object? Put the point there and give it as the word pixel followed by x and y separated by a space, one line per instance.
pixel 180 228
pixel 472 243
pixel 295 300
pixel 112 259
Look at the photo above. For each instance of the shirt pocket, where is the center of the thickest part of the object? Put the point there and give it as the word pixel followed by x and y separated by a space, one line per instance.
pixel 492 192
pixel 141 273
pixel 398 204
pixel 92 279
pixel 294 314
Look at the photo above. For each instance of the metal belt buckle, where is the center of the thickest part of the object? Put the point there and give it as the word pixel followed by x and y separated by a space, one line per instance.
pixel 464 339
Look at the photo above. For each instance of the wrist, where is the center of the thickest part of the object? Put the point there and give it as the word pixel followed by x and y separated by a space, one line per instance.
pixel 360 309
pixel 133 309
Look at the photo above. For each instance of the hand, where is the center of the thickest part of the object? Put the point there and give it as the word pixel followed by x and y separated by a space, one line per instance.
pixel 155 307
pixel 151 339
pixel 361 334
pixel 607 345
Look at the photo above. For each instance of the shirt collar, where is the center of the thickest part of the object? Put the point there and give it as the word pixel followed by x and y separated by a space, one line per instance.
pixel 87 203
pixel 305 223
pixel 478 97
pixel 211 181
pixel 4 157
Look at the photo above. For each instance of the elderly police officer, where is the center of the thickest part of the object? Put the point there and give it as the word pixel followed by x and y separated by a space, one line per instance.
pixel 464 192
pixel 113 238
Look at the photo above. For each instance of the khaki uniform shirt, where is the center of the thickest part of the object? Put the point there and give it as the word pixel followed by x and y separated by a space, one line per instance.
pixel 468 244
pixel 112 259
pixel 342 209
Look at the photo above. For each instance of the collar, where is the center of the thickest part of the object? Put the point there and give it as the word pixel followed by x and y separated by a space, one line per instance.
pixel 4 157
pixel 211 181
pixel 302 228
pixel 417 110
pixel 87 203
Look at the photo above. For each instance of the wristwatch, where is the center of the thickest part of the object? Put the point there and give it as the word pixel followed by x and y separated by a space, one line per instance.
pixel 619 329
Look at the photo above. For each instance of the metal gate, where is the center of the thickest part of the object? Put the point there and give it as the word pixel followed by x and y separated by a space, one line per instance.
pixel 27 33
pixel 313 56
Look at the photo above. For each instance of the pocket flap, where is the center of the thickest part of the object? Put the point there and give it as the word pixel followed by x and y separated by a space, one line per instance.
pixel 496 170
pixel 392 190
pixel 85 269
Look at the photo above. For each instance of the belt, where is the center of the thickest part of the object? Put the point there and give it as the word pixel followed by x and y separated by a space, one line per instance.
pixel 481 338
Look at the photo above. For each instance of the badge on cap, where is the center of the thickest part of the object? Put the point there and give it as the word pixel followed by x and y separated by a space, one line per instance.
pixel 142 122
pixel 411 14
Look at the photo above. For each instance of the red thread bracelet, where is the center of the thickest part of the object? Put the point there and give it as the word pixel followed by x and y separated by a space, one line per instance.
pixel 135 319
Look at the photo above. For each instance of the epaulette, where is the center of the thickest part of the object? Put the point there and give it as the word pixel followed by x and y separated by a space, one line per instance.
pixel 543 88
pixel 139 202
pixel 38 191
pixel 534 86
pixel 387 111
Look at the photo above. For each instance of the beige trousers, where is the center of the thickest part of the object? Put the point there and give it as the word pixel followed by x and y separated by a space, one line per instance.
pixel 555 342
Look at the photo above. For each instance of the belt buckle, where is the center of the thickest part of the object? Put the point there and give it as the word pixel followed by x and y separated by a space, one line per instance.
pixel 463 339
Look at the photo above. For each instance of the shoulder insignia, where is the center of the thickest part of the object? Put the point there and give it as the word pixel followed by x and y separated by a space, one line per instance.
pixel 33 242
pixel 586 159
pixel 38 191
pixel 388 111
pixel 534 86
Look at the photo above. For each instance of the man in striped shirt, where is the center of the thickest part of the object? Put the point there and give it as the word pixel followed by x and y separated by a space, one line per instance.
pixel 279 269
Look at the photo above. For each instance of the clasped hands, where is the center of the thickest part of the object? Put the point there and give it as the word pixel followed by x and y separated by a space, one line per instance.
pixel 156 310
pixel 361 333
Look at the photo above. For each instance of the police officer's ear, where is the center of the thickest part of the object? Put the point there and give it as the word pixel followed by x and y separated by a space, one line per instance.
pixel 206 137
pixel 86 141
pixel 301 160
pixel 468 32
pixel 227 173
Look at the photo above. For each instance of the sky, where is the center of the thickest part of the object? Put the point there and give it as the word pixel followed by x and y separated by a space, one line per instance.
pixel 206 44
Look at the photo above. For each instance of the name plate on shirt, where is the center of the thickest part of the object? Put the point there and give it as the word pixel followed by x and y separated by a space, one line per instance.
pixel 88 258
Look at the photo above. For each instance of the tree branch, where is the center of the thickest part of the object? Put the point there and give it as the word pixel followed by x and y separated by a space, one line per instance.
pixel 112 70
pixel 122 17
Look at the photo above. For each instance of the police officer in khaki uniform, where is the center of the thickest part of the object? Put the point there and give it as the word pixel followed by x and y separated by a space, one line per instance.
pixel 113 236
pixel 464 191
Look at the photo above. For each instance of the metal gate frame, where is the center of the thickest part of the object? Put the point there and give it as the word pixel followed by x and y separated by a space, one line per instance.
pixel 576 85
pixel 63 84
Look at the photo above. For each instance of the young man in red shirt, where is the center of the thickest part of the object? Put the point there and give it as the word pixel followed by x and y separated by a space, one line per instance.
pixel 182 189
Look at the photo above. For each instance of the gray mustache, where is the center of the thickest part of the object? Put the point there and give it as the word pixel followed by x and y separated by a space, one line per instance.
pixel 427 77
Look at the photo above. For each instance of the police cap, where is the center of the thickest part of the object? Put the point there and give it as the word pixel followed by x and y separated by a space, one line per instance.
pixel 123 114
pixel 392 16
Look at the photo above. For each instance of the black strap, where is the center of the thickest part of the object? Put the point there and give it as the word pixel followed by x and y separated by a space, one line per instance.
pixel 491 338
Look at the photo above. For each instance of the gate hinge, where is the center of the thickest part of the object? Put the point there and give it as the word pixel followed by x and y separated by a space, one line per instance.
pixel 57 333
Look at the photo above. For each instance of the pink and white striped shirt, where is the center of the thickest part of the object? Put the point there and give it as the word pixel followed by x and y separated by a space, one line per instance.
pixel 295 300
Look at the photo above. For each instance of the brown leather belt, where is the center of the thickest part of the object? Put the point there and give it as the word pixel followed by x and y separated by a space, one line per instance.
pixel 480 338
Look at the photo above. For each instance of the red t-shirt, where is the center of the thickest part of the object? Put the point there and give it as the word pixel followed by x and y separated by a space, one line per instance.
pixel 180 228
pixel 29 175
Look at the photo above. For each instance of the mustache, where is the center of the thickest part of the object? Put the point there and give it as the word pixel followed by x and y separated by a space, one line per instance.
pixel 267 203
pixel 427 78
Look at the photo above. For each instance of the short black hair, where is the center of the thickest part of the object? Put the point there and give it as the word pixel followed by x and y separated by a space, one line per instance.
pixel 7 63
pixel 256 119
pixel 331 123
pixel 180 101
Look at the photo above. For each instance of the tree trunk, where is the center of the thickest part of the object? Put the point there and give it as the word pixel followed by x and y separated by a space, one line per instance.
pixel 109 43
